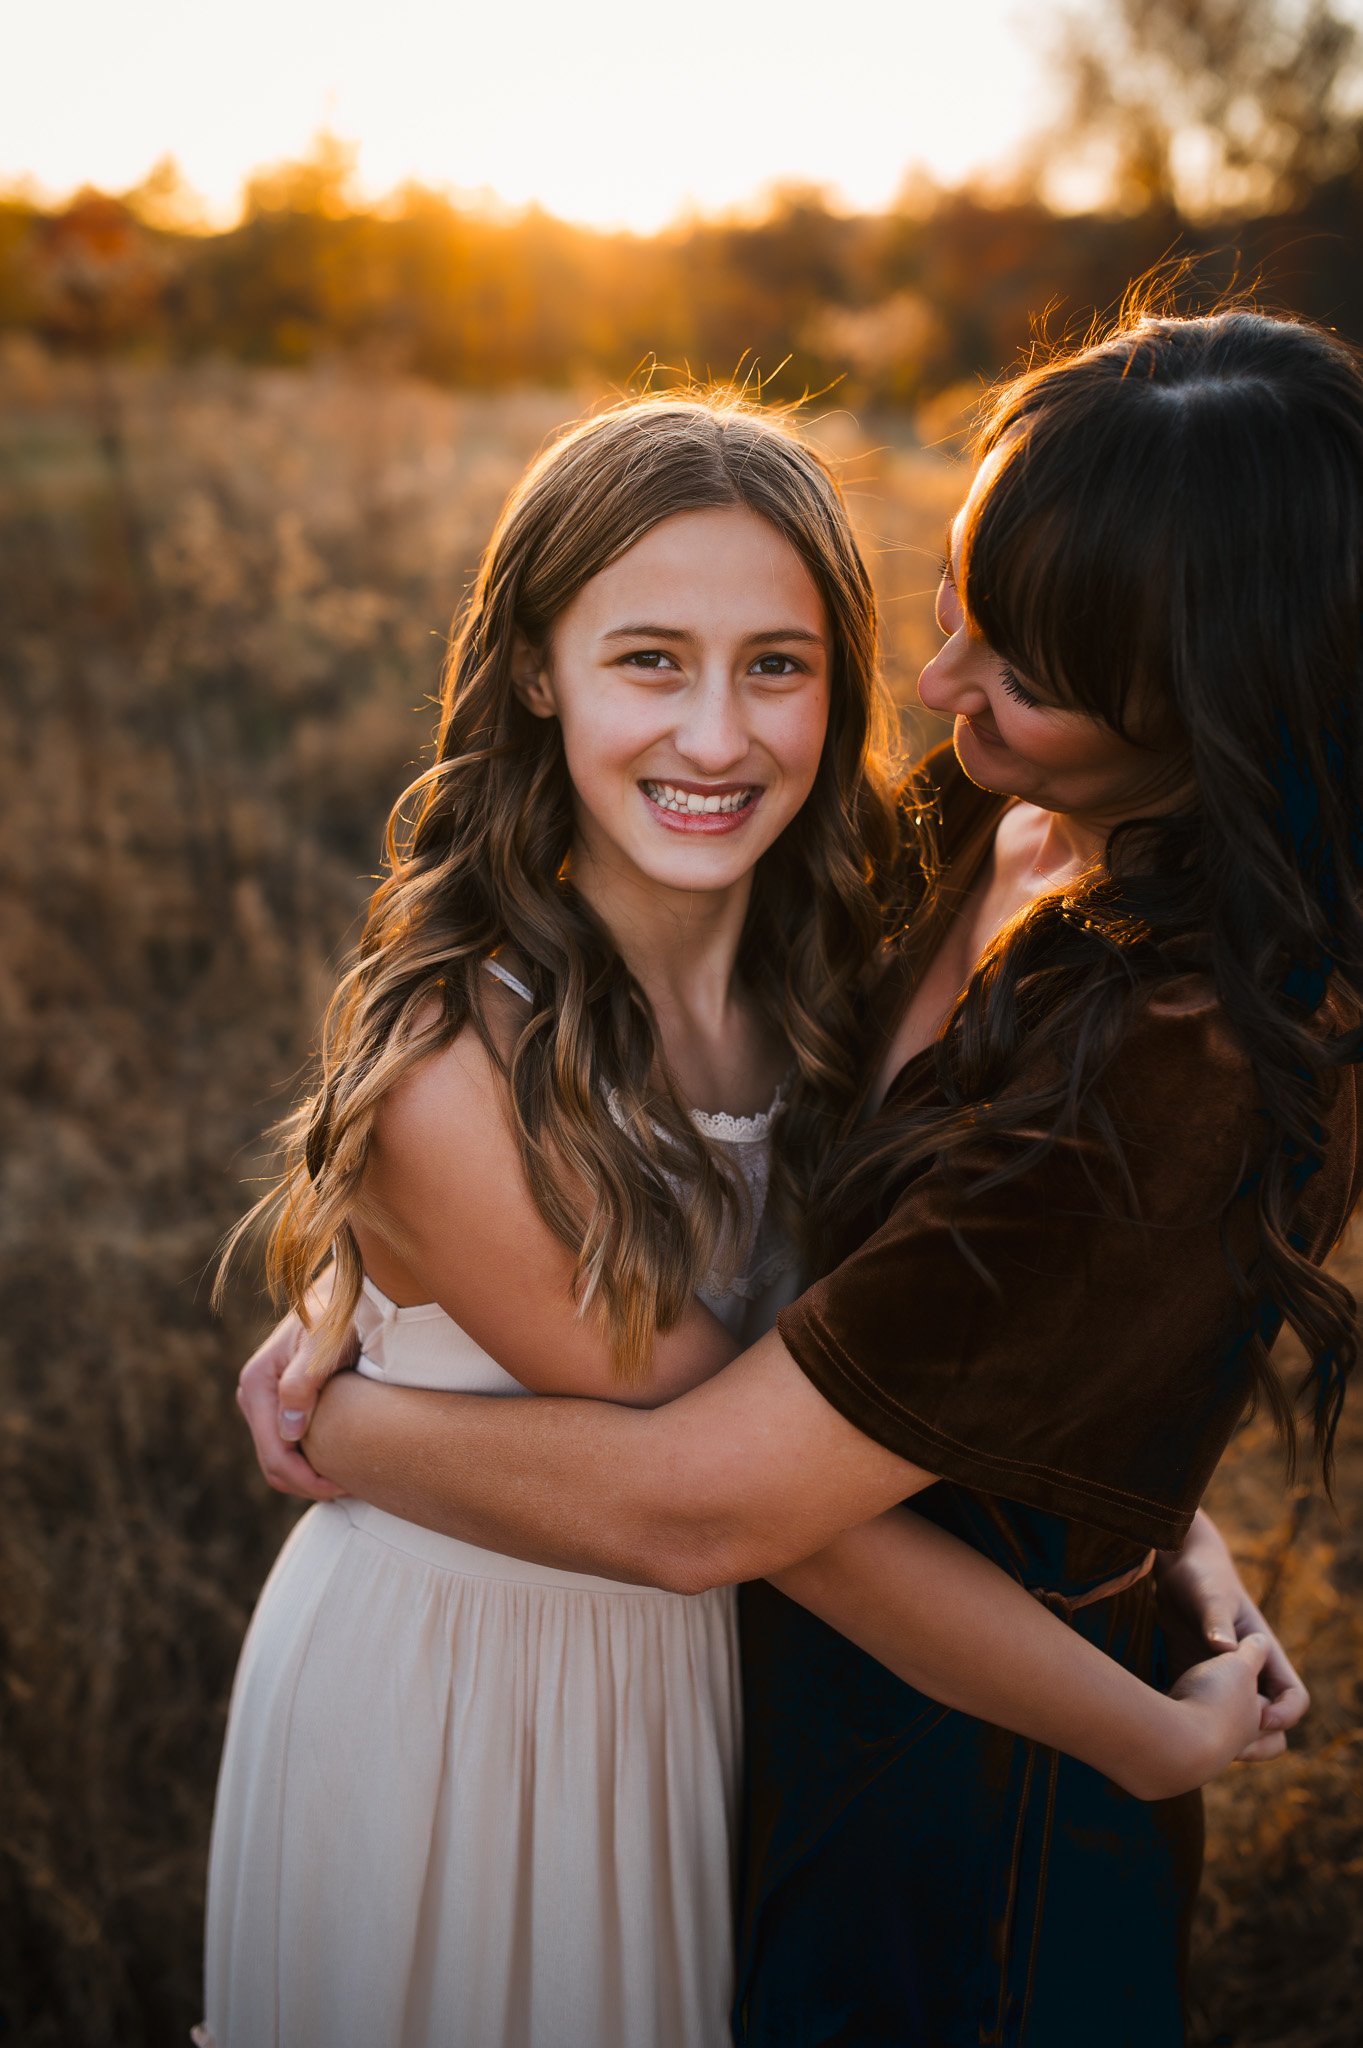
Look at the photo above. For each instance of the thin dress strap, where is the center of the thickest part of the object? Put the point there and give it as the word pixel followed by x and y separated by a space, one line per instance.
pixel 508 980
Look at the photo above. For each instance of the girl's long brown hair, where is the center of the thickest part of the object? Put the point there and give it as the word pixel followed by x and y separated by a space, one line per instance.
pixel 477 860
pixel 1175 526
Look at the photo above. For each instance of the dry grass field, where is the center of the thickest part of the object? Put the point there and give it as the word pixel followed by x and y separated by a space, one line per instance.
pixel 224 596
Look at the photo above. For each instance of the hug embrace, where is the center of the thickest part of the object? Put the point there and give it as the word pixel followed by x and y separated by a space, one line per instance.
pixel 889 1182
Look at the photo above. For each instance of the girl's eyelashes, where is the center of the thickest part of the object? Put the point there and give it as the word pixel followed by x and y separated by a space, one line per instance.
pixel 654 659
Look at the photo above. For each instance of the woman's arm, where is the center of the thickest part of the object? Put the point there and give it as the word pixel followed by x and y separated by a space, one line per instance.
pixel 932 1615
pixel 751 1483
pixel 744 1475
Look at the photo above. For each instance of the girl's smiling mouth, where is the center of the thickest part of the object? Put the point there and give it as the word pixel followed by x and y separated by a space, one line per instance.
pixel 700 807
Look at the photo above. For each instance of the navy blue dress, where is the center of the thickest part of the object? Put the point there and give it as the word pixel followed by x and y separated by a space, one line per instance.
pixel 914 1878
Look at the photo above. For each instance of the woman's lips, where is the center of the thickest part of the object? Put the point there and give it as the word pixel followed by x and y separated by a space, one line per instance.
pixel 982 733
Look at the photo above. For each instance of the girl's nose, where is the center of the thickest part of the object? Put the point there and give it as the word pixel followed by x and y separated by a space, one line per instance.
pixel 711 734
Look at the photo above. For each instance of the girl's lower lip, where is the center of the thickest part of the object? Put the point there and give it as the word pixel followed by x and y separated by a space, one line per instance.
pixel 706 824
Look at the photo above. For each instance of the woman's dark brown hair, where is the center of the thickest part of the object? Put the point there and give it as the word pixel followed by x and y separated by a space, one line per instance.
pixel 1172 539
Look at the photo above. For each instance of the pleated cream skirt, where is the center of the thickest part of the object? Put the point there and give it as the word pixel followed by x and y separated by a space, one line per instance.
pixel 467 1802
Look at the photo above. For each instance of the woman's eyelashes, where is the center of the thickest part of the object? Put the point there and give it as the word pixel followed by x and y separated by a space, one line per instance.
pixel 1015 688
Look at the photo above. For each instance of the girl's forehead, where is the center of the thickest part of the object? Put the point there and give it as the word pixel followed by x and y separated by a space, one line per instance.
pixel 725 557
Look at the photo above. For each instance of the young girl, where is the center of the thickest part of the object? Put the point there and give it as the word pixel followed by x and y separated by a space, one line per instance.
pixel 571 1094
pixel 1113 1128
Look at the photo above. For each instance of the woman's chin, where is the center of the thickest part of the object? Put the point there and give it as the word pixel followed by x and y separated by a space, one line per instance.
pixel 985 758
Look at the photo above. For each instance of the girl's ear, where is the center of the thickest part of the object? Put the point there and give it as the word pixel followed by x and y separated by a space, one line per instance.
pixel 530 678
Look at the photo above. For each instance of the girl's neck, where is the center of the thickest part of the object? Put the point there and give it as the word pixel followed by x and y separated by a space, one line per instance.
pixel 680 946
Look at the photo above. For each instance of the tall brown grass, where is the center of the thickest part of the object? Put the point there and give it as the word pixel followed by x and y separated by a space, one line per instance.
pixel 224 598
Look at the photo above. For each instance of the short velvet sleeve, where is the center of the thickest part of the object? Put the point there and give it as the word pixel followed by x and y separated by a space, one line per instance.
pixel 1060 1340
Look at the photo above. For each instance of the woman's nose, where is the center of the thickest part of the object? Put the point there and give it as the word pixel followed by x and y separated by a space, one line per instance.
pixel 946 685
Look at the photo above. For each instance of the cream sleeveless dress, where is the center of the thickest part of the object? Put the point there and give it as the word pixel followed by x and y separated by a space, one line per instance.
pixel 469 1802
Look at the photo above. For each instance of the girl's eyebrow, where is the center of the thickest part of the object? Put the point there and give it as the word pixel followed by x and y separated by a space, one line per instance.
pixel 647 631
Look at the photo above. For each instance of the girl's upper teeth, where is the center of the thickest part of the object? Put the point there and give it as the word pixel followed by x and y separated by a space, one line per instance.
pixel 692 800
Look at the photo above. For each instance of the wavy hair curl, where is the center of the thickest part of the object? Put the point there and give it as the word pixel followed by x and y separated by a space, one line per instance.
pixel 477 855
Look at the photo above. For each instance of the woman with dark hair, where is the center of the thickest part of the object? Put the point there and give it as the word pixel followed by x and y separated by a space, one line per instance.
pixel 1110 1130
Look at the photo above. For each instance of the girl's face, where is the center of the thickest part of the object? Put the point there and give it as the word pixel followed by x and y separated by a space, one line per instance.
pixel 1007 738
pixel 690 679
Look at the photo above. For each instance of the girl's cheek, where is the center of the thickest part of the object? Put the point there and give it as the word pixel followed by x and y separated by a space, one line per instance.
pixel 795 737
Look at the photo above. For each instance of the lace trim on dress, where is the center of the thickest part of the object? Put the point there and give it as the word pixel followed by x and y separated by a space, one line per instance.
pixel 741 1130
pixel 717 1123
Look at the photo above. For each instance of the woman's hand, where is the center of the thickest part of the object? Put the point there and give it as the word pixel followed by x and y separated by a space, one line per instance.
pixel 1202 1595
pixel 277 1397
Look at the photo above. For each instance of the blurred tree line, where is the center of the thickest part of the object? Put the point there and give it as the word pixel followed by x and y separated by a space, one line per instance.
pixel 1228 132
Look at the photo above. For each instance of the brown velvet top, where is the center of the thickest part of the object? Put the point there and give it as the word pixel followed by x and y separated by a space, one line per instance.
pixel 1098 1378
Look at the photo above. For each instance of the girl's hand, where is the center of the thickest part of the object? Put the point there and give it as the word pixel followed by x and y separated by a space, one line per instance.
pixel 1221 1696
pixel 1202 1594
pixel 273 1380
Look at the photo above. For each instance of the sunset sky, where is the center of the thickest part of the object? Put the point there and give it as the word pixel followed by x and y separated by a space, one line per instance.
pixel 607 111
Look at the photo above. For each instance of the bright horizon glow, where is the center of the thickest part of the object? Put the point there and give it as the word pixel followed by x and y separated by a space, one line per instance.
pixel 601 112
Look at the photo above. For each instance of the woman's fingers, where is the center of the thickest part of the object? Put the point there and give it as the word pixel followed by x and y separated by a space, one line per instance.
pixel 1202 1588
pixel 1253 1651
pixel 1218 1621
pixel 1286 1698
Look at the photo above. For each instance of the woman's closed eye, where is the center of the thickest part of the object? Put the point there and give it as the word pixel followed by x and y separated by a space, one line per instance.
pixel 1015 687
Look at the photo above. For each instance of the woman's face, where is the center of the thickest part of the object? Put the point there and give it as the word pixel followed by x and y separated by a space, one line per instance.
pixel 690 679
pixel 1007 738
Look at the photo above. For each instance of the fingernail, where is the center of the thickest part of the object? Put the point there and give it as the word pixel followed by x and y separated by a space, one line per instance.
pixel 1220 1635
pixel 291 1423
